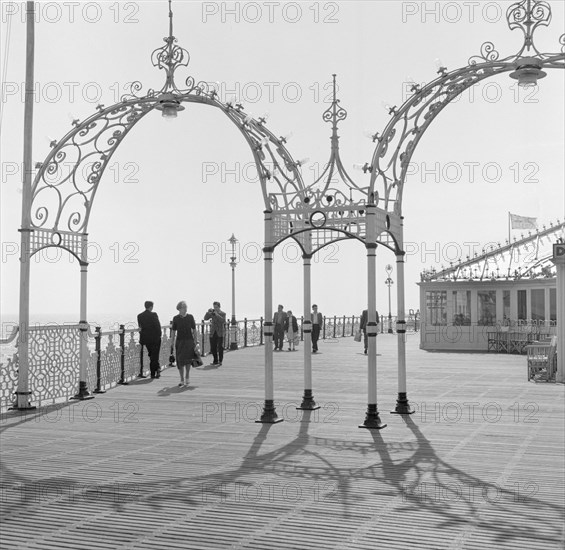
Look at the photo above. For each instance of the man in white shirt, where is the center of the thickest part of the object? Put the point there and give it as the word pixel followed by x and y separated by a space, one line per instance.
pixel 317 320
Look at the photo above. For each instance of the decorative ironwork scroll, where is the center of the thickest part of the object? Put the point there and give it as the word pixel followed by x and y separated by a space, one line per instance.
pixel 399 140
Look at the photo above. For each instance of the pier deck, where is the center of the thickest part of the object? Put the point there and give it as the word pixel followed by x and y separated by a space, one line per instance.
pixel 480 465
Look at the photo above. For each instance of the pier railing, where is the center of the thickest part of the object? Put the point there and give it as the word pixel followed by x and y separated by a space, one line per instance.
pixel 116 357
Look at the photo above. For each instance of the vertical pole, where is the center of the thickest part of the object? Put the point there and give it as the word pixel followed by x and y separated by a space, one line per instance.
pixel 83 392
pixel 308 403
pixel 269 415
pixel 261 331
pixel 402 405
pixel 559 261
pixel 23 393
pixel 122 333
pixel 372 419
pixel 343 327
pixel 98 347
pixel 233 324
pixel 202 329
pixel 245 332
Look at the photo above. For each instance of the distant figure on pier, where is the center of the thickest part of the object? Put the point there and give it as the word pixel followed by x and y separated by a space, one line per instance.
pixel 291 329
pixel 279 322
pixel 317 321
pixel 150 337
pixel 217 331
pixel 183 341
pixel 363 326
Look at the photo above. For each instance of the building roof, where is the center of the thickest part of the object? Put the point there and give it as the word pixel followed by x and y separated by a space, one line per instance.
pixel 528 257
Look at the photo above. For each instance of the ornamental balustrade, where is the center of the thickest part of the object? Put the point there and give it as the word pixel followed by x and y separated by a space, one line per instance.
pixel 116 357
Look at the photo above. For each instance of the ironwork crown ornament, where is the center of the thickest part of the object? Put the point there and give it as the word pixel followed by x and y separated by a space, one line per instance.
pixel 526 15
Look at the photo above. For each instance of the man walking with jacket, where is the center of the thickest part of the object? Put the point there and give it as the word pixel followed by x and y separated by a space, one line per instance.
pixel 150 337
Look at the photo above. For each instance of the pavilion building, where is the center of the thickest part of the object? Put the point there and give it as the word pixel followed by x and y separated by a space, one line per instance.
pixel 508 288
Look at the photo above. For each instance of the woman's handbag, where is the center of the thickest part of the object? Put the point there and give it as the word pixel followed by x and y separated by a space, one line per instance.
pixel 197 361
pixel 358 336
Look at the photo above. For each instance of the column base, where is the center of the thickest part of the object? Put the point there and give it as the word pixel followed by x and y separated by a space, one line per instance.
pixel 402 405
pixel 99 391
pixel 269 415
pixel 83 392
pixel 22 403
pixel 308 403
pixel 233 346
pixel 372 419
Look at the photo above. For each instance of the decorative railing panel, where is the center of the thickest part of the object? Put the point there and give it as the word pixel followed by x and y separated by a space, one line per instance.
pixel 54 354
pixel 54 362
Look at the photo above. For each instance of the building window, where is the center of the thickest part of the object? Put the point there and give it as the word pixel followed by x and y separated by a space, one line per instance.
pixel 522 306
pixel 506 305
pixel 462 307
pixel 553 304
pixel 436 311
pixel 538 304
pixel 487 307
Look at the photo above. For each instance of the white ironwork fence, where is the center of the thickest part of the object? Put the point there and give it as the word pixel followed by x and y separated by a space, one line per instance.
pixel 116 357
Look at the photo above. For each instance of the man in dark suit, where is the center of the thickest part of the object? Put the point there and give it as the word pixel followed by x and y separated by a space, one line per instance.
pixel 363 326
pixel 150 337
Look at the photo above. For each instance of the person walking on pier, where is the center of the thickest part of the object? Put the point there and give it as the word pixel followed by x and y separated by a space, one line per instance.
pixel 183 341
pixel 291 329
pixel 317 320
pixel 217 331
pixel 363 326
pixel 279 322
pixel 150 337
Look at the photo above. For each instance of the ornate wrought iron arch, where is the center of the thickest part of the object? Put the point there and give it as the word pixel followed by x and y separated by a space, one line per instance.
pixel 398 142
pixel 66 183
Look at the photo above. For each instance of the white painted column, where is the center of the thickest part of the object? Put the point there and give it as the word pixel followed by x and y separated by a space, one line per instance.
pixel 559 261
pixel 372 420
pixel 269 414
pixel 23 392
pixel 402 405
pixel 83 392
pixel 308 402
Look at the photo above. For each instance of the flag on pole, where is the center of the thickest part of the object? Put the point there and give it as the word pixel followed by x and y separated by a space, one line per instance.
pixel 522 222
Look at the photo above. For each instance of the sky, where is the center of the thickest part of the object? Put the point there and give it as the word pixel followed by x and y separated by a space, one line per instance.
pixel 177 190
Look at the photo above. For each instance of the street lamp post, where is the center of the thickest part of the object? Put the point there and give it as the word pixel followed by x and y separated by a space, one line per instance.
pixel 233 323
pixel 389 282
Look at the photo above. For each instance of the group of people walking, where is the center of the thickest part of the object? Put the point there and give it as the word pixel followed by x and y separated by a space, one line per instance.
pixel 184 338
pixel 286 323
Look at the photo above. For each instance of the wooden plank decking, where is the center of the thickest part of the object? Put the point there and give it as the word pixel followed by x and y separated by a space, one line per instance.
pixel 151 466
